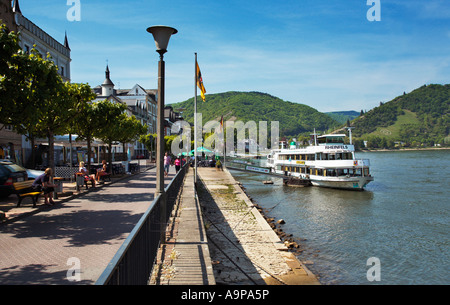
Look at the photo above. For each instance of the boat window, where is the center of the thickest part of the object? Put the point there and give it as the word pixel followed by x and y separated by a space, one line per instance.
pixel 330 140
pixel 331 172
pixel 342 172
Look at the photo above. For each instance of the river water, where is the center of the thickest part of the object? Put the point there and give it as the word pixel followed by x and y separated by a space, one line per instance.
pixel 402 219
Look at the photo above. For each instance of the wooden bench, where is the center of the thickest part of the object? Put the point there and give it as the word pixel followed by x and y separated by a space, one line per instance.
pixel 24 189
pixel 105 177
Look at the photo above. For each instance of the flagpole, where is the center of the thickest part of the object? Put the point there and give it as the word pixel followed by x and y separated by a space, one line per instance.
pixel 224 143
pixel 195 122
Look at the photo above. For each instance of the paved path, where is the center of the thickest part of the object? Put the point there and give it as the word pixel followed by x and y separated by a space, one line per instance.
pixel 238 246
pixel 187 260
pixel 88 229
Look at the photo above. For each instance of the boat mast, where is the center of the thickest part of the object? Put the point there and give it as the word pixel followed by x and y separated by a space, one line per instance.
pixel 350 133
pixel 315 137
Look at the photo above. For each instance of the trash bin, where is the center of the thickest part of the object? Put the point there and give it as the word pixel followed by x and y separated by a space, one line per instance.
pixel 80 182
pixel 59 184
pixel 58 181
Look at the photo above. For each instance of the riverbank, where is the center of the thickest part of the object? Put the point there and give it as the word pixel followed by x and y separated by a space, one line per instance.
pixel 244 248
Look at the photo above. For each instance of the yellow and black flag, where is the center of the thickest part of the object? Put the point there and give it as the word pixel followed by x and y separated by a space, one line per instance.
pixel 200 83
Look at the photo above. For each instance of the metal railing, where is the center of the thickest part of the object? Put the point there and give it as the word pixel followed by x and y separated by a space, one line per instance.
pixel 133 262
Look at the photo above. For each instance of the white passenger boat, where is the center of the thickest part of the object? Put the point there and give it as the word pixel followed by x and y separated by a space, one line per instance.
pixel 327 162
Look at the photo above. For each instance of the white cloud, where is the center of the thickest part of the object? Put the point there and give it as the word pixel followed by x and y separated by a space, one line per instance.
pixel 324 80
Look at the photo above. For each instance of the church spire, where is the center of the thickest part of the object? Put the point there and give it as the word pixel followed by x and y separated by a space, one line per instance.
pixel 66 42
pixel 108 85
pixel 16 7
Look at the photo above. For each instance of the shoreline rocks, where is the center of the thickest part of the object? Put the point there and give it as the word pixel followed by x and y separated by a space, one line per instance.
pixel 287 239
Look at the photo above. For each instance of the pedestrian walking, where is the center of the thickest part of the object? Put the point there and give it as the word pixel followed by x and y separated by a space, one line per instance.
pixel 177 164
pixel 167 161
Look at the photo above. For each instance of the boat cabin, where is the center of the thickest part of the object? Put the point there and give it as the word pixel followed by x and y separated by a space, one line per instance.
pixel 331 139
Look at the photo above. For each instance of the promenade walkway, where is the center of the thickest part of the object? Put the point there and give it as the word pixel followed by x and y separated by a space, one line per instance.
pixel 218 237
pixel 221 238
pixel 185 258
pixel 87 229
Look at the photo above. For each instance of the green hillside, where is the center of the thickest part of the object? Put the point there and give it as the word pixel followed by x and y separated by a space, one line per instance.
pixel 255 106
pixel 419 118
pixel 343 116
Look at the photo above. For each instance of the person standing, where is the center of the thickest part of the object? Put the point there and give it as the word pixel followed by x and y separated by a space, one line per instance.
pixel 177 164
pixel 42 183
pixel 167 161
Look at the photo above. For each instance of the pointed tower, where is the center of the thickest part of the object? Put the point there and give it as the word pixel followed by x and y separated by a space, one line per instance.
pixel 66 42
pixel 108 85
pixel 17 13
pixel 16 7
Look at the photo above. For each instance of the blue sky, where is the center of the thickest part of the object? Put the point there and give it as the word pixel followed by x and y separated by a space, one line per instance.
pixel 322 53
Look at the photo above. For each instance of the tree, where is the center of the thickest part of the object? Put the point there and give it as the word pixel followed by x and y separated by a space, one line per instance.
pixel 33 97
pixel 149 142
pixel 108 131
pixel 60 109
pixel 88 120
pixel 9 91
pixel 130 129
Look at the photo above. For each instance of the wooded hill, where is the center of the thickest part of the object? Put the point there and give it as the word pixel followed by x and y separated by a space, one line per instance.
pixel 419 118
pixel 343 116
pixel 294 118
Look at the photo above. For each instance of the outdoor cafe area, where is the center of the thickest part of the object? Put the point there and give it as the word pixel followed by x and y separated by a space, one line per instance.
pixel 68 153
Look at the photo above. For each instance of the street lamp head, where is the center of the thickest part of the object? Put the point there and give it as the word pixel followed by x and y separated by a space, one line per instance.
pixel 161 34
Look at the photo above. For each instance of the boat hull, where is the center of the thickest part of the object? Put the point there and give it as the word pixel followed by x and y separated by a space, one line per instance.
pixel 354 183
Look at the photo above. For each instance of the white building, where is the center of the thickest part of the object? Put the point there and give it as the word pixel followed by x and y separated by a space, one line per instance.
pixel 31 34
pixel 140 102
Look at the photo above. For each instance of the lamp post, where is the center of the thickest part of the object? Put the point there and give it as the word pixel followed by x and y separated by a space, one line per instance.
pixel 161 34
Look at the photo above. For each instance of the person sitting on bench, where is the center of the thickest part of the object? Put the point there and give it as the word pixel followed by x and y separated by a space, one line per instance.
pixel 102 171
pixel 42 183
pixel 84 171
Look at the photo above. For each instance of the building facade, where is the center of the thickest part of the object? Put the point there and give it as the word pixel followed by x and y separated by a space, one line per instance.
pixel 31 34
pixel 12 145
pixel 7 15
pixel 140 102
pixel 170 117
